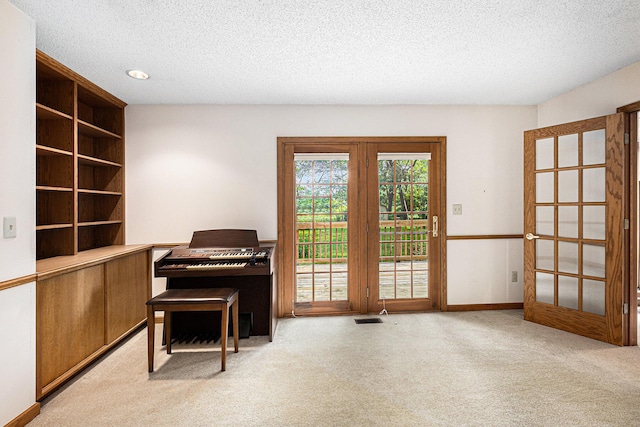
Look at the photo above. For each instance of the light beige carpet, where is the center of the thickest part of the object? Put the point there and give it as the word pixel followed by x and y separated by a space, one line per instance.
pixel 435 369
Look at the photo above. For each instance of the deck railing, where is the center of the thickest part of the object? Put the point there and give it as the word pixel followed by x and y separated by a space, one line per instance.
pixel 400 240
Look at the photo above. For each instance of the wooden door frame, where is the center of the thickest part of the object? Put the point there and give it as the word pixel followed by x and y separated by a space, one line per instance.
pixel 631 199
pixel 284 150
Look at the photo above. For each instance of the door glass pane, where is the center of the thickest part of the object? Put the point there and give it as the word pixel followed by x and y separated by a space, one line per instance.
pixel 593 147
pixel 321 227
pixel 420 279
pixel 339 171
pixel 593 260
pixel 568 221
pixel 544 288
pixel 321 288
pixel 545 187
pixel 544 254
pixel 404 225
pixel 568 257
pixel 593 184
pixel 568 292
pixel 339 288
pixel 568 186
pixel 544 153
pixel 544 220
pixel 593 222
pixel 593 296
pixel 387 289
pixel 568 150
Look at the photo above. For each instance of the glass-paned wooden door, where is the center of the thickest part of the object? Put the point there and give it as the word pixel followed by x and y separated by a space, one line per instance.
pixel 322 238
pixel 359 224
pixel 403 227
pixel 319 226
pixel 574 243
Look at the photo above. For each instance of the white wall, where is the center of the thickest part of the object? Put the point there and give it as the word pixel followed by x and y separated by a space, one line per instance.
pixel 477 260
pixel 598 98
pixel 192 167
pixel 17 199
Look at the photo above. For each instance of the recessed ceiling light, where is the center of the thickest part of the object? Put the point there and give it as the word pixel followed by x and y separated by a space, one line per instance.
pixel 138 74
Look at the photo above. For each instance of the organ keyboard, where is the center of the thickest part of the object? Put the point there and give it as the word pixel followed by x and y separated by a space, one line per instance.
pixel 204 266
pixel 182 252
pixel 183 261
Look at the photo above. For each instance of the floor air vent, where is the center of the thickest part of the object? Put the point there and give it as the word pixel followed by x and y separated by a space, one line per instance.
pixel 368 320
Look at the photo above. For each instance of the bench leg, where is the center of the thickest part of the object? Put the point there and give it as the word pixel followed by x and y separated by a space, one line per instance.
pixel 236 327
pixel 167 330
pixel 223 334
pixel 151 322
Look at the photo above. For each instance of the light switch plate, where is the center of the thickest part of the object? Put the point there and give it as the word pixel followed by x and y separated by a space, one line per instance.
pixel 9 227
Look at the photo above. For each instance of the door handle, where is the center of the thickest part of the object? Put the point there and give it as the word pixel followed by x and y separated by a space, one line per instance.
pixel 434 229
pixel 531 236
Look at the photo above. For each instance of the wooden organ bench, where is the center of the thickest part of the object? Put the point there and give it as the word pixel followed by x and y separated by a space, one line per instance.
pixel 204 299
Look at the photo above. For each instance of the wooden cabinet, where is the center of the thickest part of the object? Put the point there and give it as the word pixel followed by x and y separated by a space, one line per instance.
pixel 70 320
pixel 79 163
pixel 125 299
pixel 85 305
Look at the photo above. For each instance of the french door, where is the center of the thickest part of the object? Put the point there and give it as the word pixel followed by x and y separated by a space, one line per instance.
pixel 404 226
pixel 359 224
pixel 574 250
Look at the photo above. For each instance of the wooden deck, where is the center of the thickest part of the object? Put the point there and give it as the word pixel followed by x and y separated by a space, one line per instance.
pixel 331 285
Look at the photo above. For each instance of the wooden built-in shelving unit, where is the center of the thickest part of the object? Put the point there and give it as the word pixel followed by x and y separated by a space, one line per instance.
pixel 79 163
pixel 91 288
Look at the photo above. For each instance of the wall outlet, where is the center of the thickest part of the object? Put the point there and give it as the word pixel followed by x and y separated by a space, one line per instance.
pixel 457 209
pixel 9 230
pixel 514 276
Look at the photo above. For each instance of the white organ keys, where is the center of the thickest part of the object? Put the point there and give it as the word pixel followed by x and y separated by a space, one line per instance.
pixel 242 254
pixel 216 265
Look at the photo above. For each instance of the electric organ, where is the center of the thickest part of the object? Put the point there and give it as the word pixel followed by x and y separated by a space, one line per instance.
pixel 223 259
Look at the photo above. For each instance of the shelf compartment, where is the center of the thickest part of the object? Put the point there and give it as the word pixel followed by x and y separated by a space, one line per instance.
pixel 55 133
pixel 88 129
pixel 94 208
pixel 54 170
pixel 47 113
pixel 109 149
pixel 56 241
pixel 98 234
pixel 54 207
pixel 101 178
pixel 54 90
pixel 100 112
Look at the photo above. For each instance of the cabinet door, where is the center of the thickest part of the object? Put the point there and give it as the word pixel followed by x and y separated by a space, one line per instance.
pixel 70 321
pixel 127 282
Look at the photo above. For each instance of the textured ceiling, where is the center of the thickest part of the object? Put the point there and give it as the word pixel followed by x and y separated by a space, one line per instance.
pixel 339 51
